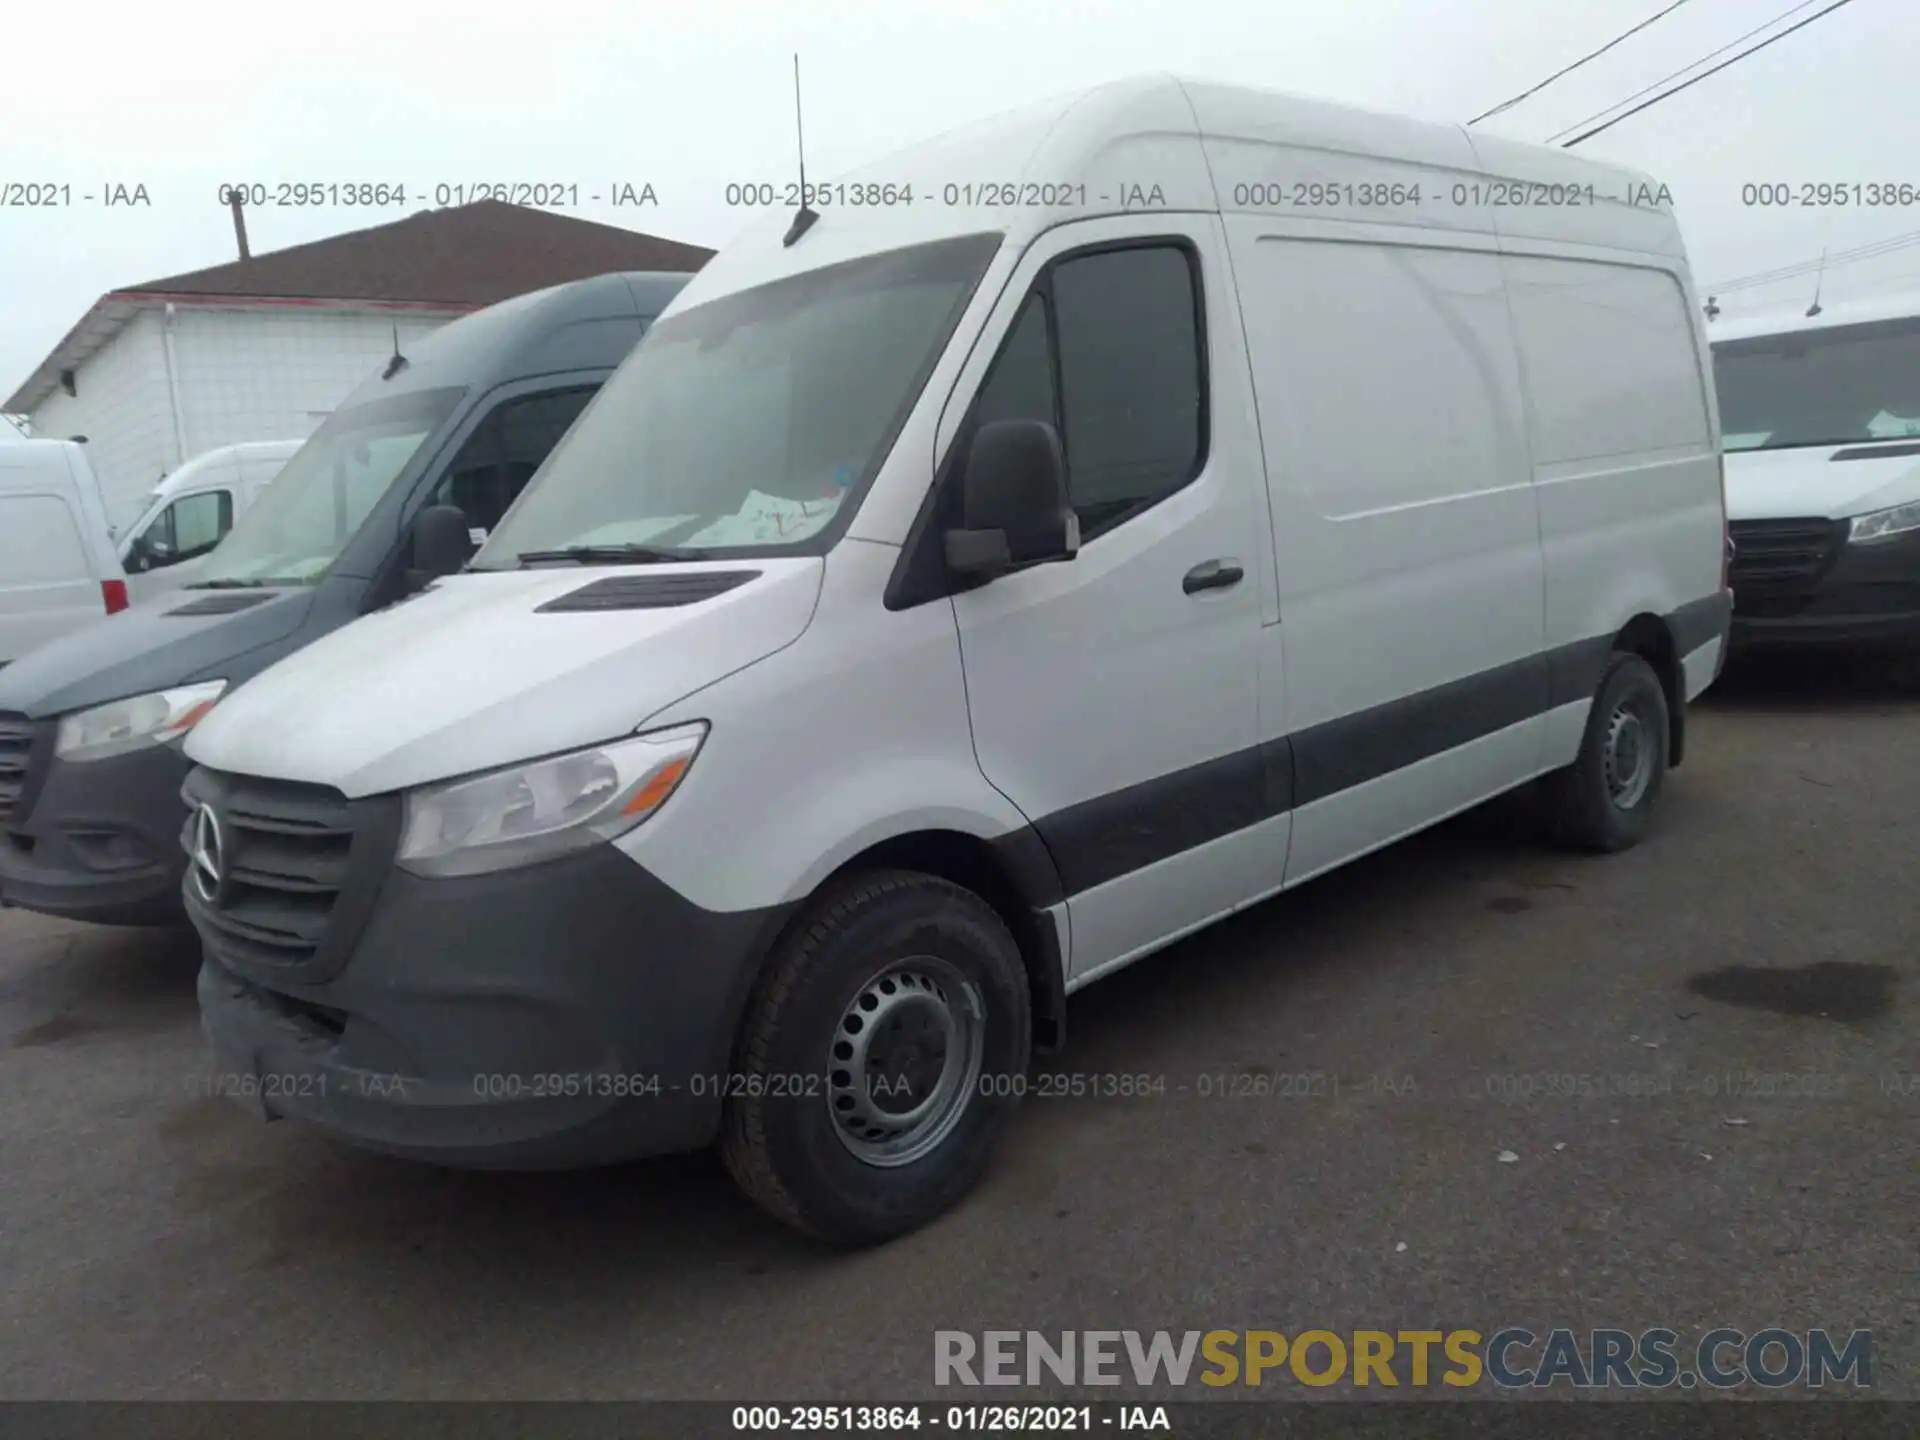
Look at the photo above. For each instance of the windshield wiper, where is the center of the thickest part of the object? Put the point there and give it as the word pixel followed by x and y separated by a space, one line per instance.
pixel 227 585
pixel 623 554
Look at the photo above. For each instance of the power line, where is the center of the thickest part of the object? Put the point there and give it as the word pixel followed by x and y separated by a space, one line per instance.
pixel 1859 252
pixel 1681 71
pixel 1688 84
pixel 1871 251
pixel 1592 55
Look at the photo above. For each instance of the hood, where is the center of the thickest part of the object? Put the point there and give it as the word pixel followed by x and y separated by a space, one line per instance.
pixel 149 647
pixel 473 674
pixel 1783 484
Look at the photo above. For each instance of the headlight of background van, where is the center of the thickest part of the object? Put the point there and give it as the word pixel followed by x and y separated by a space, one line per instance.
pixel 532 812
pixel 1882 524
pixel 157 718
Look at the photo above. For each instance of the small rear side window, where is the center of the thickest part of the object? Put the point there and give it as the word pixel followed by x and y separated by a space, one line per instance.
pixel 39 542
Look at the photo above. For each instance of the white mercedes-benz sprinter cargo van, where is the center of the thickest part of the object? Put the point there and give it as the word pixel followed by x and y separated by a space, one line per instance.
pixel 191 511
pixel 950 602
pixel 1821 424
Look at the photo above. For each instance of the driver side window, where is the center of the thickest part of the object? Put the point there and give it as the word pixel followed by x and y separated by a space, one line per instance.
pixel 500 456
pixel 188 528
pixel 1107 349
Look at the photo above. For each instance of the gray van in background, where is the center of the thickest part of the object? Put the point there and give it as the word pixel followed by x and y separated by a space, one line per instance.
pixel 399 485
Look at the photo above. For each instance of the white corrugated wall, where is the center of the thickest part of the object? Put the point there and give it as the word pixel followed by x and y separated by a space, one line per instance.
pixel 272 373
pixel 121 407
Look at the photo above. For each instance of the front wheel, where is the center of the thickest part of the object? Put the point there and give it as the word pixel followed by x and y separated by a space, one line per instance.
pixel 866 1097
pixel 1604 800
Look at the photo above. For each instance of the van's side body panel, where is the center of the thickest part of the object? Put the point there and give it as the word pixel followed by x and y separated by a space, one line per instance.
pixel 1406 531
pixel 1626 462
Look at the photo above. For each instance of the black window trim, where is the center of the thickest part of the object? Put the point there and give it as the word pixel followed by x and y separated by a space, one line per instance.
pixel 491 430
pixel 920 574
pixel 473 413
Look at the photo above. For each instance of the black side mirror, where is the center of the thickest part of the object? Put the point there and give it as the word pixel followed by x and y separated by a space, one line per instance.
pixel 441 543
pixel 1014 508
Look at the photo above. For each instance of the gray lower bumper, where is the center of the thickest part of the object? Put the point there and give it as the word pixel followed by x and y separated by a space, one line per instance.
pixel 100 841
pixel 575 1013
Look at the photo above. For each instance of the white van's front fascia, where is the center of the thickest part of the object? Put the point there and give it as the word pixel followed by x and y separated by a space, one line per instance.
pixel 472 675
pixel 1805 483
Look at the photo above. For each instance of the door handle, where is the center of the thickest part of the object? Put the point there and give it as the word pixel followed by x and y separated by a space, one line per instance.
pixel 1212 575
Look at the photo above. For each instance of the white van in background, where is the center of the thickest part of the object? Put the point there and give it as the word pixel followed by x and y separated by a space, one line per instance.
pixel 191 511
pixel 1820 419
pixel 947 605
pixel 57 566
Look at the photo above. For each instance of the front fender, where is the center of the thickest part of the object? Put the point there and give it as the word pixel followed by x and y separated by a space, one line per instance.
pixel 854 734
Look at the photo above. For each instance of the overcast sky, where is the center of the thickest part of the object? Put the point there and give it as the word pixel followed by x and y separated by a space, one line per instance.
pixel 688 98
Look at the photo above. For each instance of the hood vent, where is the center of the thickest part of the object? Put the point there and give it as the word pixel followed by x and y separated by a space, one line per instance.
pixel 651 592
pixel 221 602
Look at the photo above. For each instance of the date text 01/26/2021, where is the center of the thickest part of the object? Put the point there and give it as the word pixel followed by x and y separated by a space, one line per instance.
pixel 896 1419
pixel 377 195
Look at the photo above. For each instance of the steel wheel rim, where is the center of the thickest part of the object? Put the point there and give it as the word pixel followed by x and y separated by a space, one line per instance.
pixel 1627 756
pixel 904 1061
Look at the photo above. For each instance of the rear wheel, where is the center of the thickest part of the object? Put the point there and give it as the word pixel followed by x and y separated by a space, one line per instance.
pixel 880 1060
pixel 1604 800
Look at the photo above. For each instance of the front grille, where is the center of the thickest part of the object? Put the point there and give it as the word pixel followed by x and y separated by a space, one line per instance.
pixel 16 762
pixel 1776 558
pixel 299 867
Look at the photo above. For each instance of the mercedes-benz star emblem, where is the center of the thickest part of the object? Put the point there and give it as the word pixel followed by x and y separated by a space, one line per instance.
pixel 206 858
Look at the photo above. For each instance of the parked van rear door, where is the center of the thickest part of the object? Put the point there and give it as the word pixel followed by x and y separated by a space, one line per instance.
pixel 1113 696
pixel 48 583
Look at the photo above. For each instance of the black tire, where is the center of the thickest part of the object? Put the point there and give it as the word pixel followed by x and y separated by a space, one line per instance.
pixel 1582 804
pixel 780 1138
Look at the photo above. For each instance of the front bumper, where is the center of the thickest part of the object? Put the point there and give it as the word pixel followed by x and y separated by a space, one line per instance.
pixel 1867 596
pixel 575 1013
pixel 96 841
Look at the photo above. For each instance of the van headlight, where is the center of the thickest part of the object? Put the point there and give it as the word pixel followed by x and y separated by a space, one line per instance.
pixel 1882 524
pixel 532 812
pixel 161 717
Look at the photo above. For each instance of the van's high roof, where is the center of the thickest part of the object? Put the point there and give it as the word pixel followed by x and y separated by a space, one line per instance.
pixel 1847 312
pixel 28 460
pixel 197 467
pixel 540 332
pixel 1172 144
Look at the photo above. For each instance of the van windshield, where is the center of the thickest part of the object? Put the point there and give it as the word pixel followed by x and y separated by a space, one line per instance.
pixel 1845 386
pixel 301 522
pixel 747 424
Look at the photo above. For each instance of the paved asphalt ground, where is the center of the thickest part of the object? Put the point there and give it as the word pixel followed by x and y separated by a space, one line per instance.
pixel 155 1243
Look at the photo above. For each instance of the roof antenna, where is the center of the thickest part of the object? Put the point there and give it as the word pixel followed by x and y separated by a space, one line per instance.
pixel 399 362
pixel 1819 276
pixel 803 218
